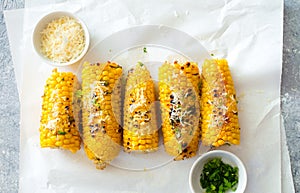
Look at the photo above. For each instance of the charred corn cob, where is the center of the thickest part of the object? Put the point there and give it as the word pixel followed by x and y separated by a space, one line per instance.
pixel 58 128
pixel 101 98
pixel 179 100
pixel 140 127
pixel 218 105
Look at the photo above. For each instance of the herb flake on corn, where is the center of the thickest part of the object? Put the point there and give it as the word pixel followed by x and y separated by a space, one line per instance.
pixel 179 100
pixel 219 113
pixel 101 108
pixel 140 127
pixel 58 128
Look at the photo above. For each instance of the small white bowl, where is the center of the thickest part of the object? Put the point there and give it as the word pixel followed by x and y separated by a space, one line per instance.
pixel 43 22
pixel 227 157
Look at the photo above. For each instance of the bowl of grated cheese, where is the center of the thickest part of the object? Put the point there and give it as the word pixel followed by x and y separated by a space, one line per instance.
pixel 60 38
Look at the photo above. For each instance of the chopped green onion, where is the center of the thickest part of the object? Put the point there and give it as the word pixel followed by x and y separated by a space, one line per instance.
pixel 78 93
pixel 141 64
pixel 218 177
pixel 61 132
pixel 145 50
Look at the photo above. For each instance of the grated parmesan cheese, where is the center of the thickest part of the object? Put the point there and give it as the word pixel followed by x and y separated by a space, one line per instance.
pixel 62 40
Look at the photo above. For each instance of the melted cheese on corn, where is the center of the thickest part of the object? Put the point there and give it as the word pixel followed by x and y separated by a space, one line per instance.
pixel 63 40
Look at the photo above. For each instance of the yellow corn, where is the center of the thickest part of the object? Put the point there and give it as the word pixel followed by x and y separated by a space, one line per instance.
pixel 179 101
pixel 101 99
pixel 140 127
pixel 58 128
pixel 219 114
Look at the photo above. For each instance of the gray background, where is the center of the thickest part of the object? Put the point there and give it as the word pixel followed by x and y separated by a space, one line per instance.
pixel 10 106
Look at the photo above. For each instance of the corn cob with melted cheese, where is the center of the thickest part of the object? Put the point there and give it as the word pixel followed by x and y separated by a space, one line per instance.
pixel 101 99
pixel 58 128
pixel 140 127
pixel 219 114
pixel 179 100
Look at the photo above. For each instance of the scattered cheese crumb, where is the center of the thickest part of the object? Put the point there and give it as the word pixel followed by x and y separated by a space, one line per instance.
pixel 63 40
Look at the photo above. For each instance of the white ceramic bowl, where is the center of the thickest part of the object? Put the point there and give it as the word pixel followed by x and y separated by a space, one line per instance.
pixel 43 22
pixel 227 157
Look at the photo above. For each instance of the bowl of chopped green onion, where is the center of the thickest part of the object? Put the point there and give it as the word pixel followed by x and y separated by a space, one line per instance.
pixel 218 171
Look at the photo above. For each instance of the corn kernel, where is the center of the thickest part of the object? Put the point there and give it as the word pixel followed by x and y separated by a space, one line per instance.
pixel 58 143
pixel 68 136
pixel 235 142
pixel 66 141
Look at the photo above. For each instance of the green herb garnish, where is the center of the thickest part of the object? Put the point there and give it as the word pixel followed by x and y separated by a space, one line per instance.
pixel 78 93
pixel 104 83
pixel 141 64
pixel 145 50
pixel 218 177
pixel 199 85
pixel 94 101
pixel 61 132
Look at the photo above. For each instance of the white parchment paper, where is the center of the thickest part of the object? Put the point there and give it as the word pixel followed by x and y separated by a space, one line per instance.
pixel 247 33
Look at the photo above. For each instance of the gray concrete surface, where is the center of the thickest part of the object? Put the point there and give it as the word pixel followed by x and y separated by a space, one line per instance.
pixel 9 103
pixel 290 87
pixel 9 109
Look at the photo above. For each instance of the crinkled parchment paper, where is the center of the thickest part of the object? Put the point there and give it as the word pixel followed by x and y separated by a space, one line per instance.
pixel 247 33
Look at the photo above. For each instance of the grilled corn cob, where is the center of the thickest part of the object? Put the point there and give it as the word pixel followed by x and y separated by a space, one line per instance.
pixel 179 100
pixel 58 128
pixel 101 100
pixel 218 105
pixel 140 127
